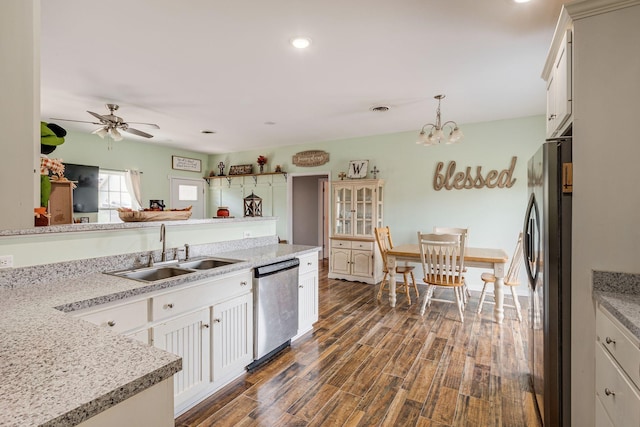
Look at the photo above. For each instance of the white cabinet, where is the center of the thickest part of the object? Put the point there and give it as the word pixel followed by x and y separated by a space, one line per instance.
pixel 353 260
pixel 559 89
pixel 307 293
pixel 357 211
pixel 617 373
pixel 230 191
pixel 232 322
pixel 209 323
pixel 120 317
pixel 189 337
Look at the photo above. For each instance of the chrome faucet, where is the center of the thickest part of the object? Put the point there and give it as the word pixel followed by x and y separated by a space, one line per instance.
pixel 163 239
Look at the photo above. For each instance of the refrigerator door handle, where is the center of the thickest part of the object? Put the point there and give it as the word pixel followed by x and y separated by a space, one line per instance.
pixel 531 236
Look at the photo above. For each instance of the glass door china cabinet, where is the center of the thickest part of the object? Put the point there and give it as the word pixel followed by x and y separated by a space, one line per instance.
pixel 356 210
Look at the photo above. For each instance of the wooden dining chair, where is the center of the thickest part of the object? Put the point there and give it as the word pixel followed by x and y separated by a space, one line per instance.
pixel 442 258
pixel 464 241
pixel 383 237
pixel 511 280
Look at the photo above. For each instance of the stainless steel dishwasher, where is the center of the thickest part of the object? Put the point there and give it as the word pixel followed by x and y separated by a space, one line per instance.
pixel 275 309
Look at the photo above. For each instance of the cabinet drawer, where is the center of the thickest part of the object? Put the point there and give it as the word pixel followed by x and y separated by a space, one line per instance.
pixel 200 295
pixel 364 246
pixel 621 347
pixel 120 318
pixel 619 397
pixel 308 262
pixel 344 244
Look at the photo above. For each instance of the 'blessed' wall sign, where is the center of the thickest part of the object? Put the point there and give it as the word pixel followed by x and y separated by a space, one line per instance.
pixel 449 179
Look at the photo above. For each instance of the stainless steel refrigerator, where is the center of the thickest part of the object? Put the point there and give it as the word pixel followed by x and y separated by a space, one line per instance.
pixel 547 252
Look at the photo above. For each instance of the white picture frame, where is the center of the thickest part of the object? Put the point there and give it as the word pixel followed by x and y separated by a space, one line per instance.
pixel 358 169
pixel 186 164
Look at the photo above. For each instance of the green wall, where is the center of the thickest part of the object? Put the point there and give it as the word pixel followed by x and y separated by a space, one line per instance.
pixel 493 215
pixel 153 159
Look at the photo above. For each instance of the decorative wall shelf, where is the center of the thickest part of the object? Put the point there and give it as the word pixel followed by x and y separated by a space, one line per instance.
pixel 254 175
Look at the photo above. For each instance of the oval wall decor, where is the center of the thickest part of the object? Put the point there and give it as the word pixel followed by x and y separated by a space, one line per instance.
pixel 310 158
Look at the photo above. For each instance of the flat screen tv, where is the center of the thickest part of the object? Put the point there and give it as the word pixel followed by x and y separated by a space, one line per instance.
pixel 85 195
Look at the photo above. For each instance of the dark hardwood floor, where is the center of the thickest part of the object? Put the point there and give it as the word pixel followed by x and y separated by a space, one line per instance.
pixel 368 364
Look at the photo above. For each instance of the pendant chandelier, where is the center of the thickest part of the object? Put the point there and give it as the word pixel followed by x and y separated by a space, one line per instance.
pixel 437 130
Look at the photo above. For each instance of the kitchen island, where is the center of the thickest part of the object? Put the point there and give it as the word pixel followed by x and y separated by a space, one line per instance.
pixel 59 370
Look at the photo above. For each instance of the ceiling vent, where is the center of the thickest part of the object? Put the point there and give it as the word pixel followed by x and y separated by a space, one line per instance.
pixel 380 108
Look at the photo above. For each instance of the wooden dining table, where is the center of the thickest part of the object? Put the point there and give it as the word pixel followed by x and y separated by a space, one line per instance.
pixel 489 258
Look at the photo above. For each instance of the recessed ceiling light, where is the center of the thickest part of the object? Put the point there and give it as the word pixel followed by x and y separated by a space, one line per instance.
pixel 301 42
pixel 207 131
pixel 521 1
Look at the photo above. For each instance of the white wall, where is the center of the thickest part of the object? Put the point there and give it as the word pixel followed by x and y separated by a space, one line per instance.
pixel 48 248
pixel 606 201
pixel 19 112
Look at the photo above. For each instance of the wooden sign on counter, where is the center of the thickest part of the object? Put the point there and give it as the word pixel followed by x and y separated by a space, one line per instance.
pixel 450 179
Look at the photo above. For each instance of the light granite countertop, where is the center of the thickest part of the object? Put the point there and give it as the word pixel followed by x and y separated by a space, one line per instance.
pixel 58 370
pixel 619 293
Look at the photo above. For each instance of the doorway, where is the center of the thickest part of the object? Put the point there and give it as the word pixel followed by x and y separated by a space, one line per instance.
pixel 187 192
pixel 309 210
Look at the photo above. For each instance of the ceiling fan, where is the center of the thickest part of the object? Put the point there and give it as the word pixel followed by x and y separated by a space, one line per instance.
pixel 111 125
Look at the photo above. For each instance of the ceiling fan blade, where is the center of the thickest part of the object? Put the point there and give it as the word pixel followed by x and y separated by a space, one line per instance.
pixel 79 121
pixel 153 125
pixel 137 132
pixel 98 116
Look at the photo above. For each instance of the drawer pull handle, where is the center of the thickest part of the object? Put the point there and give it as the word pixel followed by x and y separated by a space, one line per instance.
pixel 309 263
pixel 301 287
pixel 111 323
pixel 170 305
pixel 243 283
pixel 609 392
pixel 206 325
pixel 217 320
pixel 609 341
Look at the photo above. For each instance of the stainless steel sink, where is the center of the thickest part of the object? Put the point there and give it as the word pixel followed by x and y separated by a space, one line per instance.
pixel 153 274
pixel 207 263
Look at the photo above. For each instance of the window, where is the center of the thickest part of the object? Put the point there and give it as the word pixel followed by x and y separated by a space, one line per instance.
pixel 112 194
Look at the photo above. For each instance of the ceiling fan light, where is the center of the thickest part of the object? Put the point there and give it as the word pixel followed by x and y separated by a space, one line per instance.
pixel 115 135
pixel 101 132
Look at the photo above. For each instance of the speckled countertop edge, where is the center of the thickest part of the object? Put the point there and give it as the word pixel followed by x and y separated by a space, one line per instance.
pixel 42 347
pixel 121 226
pixel 619 293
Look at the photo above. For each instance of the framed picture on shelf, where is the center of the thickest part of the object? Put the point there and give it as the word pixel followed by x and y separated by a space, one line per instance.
pixel 241 170
pixel 358 169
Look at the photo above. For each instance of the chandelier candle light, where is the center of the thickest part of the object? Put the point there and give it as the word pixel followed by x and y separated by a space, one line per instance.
pixel 436 131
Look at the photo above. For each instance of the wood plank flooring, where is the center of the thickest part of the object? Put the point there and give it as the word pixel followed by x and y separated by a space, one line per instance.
pixel 366 364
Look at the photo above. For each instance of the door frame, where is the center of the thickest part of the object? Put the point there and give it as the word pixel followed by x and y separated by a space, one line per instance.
pixel 291 176
pixel 172 196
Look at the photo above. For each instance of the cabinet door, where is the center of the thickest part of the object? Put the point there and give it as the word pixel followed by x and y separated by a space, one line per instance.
pixel 362 263
pixel 551 105
pixel 343 211
pixel 364 202
pixel 340 261
pixel 562 82
pixel 307 300
pixel 232 336
pixel 188 337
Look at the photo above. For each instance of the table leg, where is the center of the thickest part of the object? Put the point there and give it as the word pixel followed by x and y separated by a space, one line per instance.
pixel 391 268
pixel 498 287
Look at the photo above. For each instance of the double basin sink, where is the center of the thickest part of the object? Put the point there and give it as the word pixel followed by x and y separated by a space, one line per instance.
pixel 172 269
